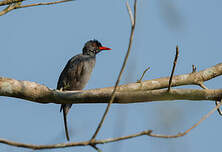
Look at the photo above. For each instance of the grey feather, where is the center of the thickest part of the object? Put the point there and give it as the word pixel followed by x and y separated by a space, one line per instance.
pixel 74 77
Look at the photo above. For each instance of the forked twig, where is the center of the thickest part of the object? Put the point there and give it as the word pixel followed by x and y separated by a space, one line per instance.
pixel 133 21
pixel 216 102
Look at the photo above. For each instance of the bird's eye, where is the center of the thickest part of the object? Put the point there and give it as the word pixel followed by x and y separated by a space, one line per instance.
pixel 94 45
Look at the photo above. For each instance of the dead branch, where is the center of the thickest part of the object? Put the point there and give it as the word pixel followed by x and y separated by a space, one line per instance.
pixel 147 91
pixel 144 72
pixel 32 91
pixel 47 3
pixel 174 66
pixel 139 92
pixel 133 22
pixel 8 2
pixel 92 143
pixel 72 144
pixel 16 4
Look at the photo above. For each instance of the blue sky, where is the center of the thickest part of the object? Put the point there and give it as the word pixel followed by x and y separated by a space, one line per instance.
pixel 37 42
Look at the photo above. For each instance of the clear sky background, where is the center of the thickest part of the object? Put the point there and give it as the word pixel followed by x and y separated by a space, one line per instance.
pixel 37 42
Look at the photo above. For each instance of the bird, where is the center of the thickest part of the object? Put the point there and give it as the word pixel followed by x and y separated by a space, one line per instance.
pixel 77 73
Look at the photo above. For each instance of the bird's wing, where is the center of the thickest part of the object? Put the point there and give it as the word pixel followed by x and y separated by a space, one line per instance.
pixel 70 78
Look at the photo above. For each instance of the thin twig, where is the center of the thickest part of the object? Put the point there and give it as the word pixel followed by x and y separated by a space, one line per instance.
pixel 219 111
pixel 202 86
pixel 9 8
pixel 130 13
pixel 188 130
pixel 47 3
pixel 174 65
pixel 194 68
pixel 109 140
pixel 8 2
pixel 72 144
pixel 120 73
pixel 18 5
pixel 96 148
pixel 216 102
pixel 144 72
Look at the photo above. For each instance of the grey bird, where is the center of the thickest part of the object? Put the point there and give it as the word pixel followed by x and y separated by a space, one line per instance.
pixel 77 72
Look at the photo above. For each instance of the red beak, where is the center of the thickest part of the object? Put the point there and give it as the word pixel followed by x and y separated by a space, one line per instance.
pixel 104 48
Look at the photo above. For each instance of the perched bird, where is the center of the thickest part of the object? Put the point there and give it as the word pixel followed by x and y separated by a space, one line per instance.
pixel 77 72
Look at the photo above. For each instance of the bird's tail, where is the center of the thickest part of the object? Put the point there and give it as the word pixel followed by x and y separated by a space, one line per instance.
pixel 65 108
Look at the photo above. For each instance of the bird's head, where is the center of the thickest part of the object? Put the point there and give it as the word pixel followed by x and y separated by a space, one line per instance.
pixel 93 47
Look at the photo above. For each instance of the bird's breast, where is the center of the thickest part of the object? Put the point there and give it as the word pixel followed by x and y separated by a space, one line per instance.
pixel 81 76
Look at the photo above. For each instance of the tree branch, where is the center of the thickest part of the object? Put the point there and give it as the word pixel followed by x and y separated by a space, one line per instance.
pixel 15 4
pixel 72 144
pixel 46 3
pixel 7 2
pixel 174 66
pixel 133 21
pixel 144 72
pixel 38 93
pixel 92 143
pixel 139 92
pixel 10 7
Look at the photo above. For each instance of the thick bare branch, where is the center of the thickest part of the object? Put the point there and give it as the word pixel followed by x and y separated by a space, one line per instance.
pixel 186 79
pixel 139 92
pixel 41 94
